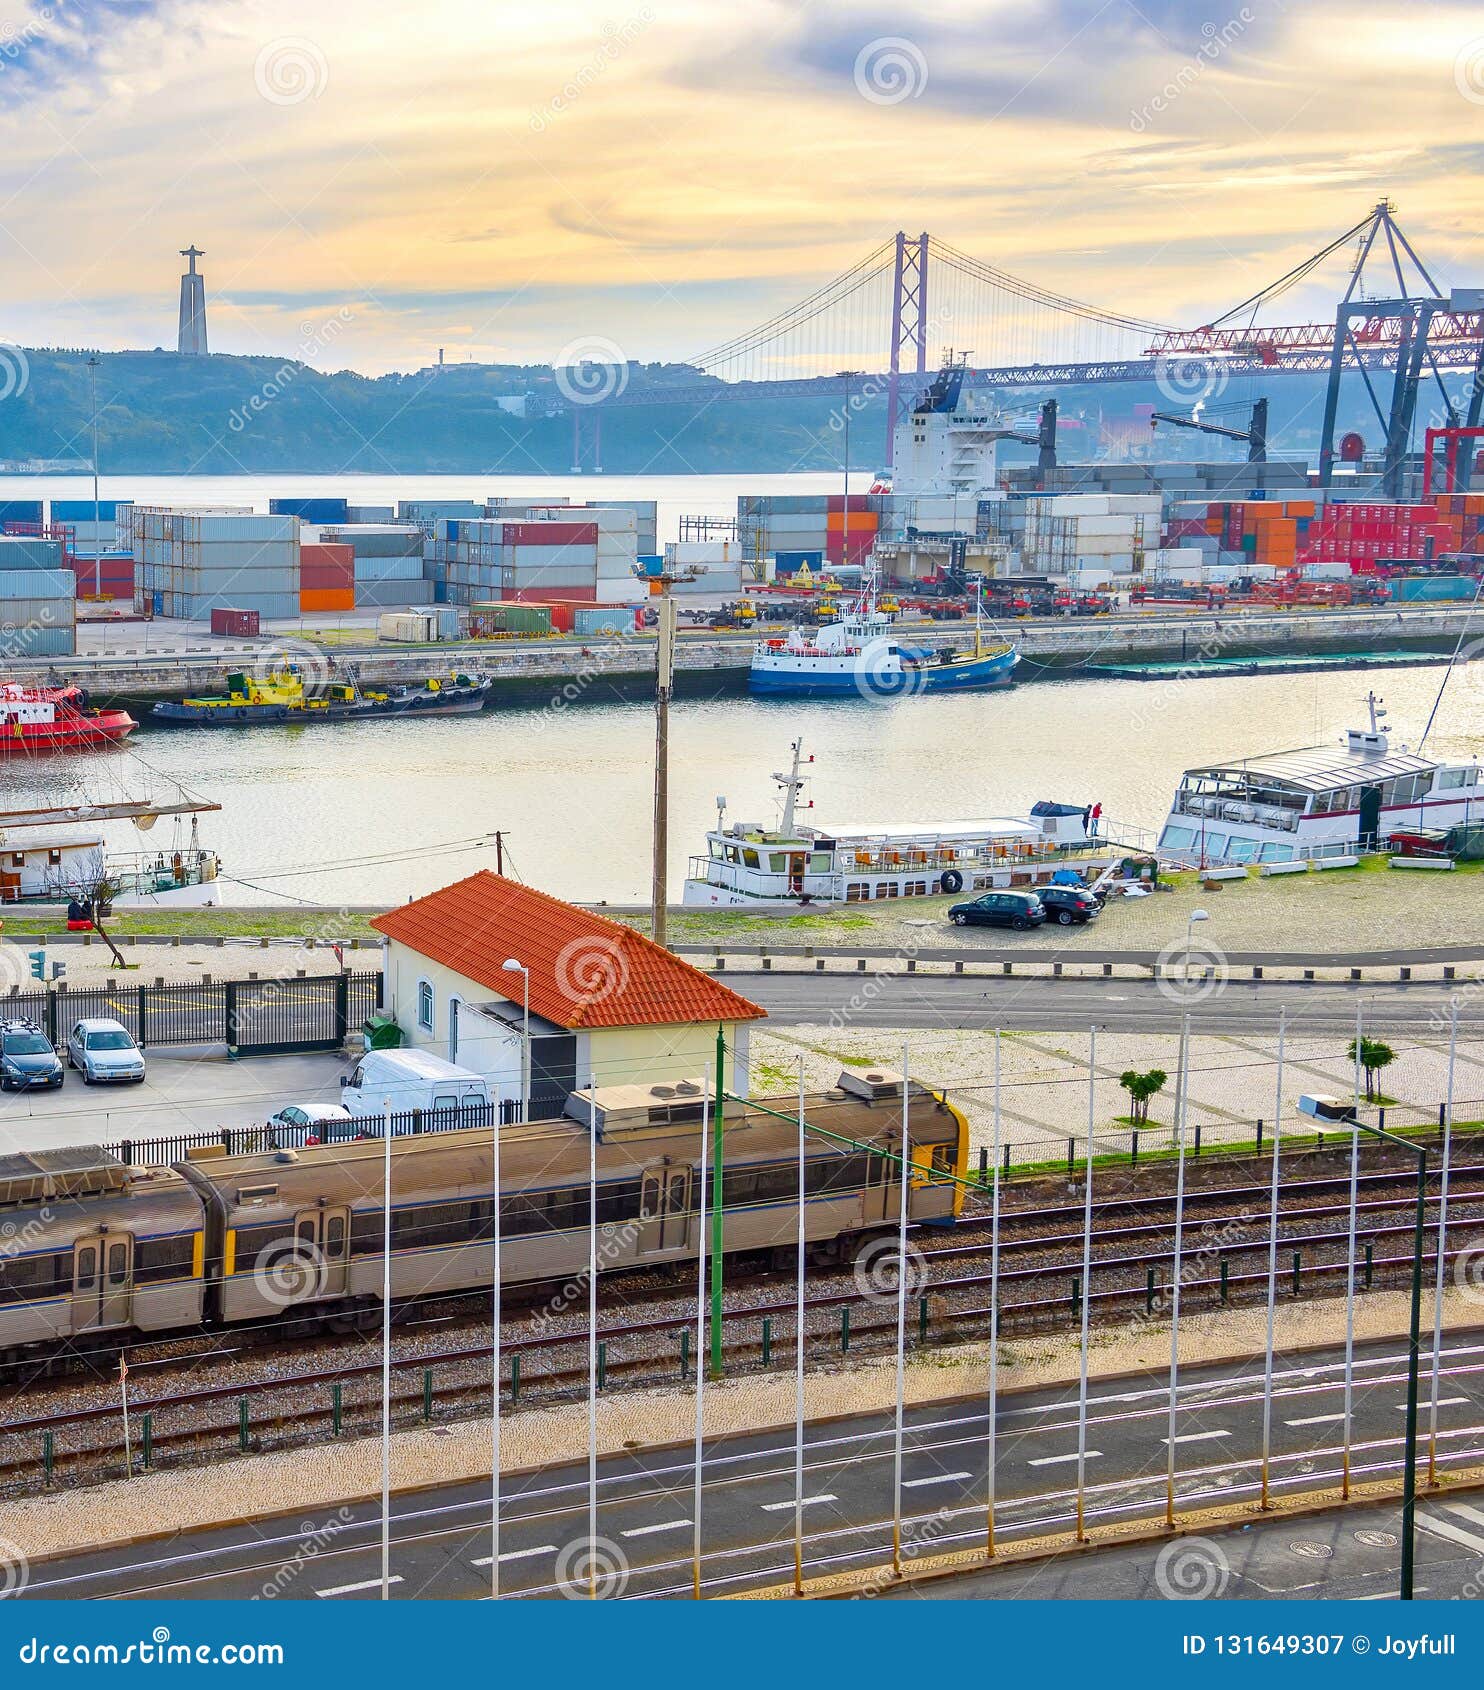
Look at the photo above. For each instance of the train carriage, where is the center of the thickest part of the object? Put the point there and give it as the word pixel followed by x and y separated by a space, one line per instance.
pixel 88 1245
pixel 286 1227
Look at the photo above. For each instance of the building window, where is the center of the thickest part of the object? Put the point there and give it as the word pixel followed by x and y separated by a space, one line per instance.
pixel 425 1005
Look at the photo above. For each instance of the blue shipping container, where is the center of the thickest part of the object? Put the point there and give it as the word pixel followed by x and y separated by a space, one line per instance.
pixel 788 562
pixel 310 510
pixel 20 510
pixel 81 510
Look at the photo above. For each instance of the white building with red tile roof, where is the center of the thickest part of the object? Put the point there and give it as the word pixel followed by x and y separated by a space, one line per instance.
pixel 607 1004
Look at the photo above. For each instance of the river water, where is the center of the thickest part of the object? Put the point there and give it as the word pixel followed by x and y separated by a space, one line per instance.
pixel 307 812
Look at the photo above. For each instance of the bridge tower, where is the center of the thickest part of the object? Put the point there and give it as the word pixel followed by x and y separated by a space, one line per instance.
pixel 909 303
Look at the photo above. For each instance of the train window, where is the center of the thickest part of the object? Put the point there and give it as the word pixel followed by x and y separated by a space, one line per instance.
pixel 618 1200
pixel 85 1271
pixel 25 1279
pixel 837 1173
pixel 334 1237
pixel 365 1232
pixel 255 1241
pixel 430 1225
pixel 118 1264
pixel 165 1258
pixel 942 1160
pixel 776 1184
pixel 304 1232
pixel 738 1186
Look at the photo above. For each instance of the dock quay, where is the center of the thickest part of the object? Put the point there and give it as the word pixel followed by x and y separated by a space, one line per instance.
pixel 171 664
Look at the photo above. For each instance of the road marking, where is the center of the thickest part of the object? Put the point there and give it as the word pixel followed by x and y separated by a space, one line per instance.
pixel 1052 1460
pixel 776 1507
pixel 668 1526
pixel 936 1479
pixel 1443 1402
pixel 1467 1512
pixel 517 1554
pixel 1316 1420
pixel 365 1584
pixel 1194 1437
pixel 1454 1534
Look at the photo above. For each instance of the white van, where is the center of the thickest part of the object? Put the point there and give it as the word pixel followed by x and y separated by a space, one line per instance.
pixel 410 1079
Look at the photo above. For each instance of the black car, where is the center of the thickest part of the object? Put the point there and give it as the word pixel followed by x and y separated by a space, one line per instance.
pixel 27 1058
pixel 1066 904
pixel 1019 910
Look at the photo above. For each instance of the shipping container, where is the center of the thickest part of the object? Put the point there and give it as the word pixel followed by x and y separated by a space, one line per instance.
pixel 31 640
pixel 20 510
pixel 235 624
pixel 310 510
pixel 407 627
pixel 607 621
pixel 387 595
pixel 327 598
pixel 501 617
pixel 37 583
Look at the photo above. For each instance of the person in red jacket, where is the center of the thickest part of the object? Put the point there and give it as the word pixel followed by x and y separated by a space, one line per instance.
pixel 1097 816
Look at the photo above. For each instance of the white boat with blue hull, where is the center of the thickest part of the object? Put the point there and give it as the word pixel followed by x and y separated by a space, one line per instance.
pixel 860 657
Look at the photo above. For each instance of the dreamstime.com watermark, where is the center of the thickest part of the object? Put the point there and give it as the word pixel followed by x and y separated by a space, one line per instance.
pixel 891 69
pixel 314 1541
pixel 154 1650
pixel 617 39
pixel 1217 38
pixel 290 70
pixel 314 338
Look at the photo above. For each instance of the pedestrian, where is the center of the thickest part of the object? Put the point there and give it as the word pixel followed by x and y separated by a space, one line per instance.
pixel 1087 821
pixel 1097 816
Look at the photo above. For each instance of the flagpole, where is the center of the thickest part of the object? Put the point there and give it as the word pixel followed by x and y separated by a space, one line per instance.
pixel 386 1353
pixel 1437 1306
pixel 1267 1366
pixel 799 1361
pixel 700 1340
pixel 592 1339
pixel 1180 1084
pixel 1092 1080
pixel 902 1206
pixel 495 1360
pixel 994 1297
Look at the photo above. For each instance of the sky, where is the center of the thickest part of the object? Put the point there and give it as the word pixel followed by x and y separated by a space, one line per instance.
pixel 647 178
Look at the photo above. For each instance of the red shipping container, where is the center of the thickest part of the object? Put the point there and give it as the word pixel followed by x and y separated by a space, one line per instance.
pixel 550 533
pixel 242 624
pixel 554 596
pixel 327 566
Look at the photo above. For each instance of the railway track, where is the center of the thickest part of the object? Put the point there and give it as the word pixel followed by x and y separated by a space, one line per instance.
pixel 650 1343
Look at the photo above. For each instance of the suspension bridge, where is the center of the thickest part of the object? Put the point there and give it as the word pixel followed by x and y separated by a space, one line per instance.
pixel 878 329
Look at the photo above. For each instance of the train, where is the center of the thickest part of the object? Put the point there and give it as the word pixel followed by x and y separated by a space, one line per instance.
pixel 89 1245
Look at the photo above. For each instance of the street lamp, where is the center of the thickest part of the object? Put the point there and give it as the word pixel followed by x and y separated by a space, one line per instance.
pixel 97 529
pixel 1190 921
pixel 511 966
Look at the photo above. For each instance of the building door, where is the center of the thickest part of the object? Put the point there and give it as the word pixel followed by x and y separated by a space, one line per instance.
pixel 664 1208
pixel 102 1281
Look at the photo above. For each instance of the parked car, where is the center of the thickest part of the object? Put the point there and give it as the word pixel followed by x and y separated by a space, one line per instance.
pixel 1068 904
pixel 27 1058
pixel 104 1052
pixel 305 1123
pixel 1019 910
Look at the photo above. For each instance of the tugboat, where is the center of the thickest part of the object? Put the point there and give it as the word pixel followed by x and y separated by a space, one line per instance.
pixel 283 697
pixel 56 719
pixel 858 655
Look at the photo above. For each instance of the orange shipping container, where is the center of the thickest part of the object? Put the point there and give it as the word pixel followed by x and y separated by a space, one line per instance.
pixel 861 522
pixel 327 598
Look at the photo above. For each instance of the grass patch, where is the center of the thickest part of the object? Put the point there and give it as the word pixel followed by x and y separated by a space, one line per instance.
pixel 206 925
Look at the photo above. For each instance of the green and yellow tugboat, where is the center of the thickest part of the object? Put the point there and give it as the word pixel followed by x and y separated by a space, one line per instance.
pixel 282 696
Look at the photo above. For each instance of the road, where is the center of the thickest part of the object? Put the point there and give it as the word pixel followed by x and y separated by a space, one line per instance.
pixel 893 998
pixel 647 1501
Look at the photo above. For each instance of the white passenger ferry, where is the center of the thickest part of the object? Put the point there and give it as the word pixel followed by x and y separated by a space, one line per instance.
pixel 1320 801
pixel 749 865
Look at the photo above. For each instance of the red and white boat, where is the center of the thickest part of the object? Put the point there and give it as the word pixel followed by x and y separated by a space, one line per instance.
pixel 56 719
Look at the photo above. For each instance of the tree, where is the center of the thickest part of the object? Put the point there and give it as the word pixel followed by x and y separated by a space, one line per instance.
pixel 1142 1087
pixel 1373 1057
pixel 87 882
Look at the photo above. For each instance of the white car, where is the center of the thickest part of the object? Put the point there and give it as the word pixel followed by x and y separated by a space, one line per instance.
pixel 104 1051
pixel 297 1123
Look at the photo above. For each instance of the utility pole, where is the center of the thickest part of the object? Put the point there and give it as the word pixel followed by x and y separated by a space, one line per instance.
pixel 717 1167
pixel 97 526
pixel 664 680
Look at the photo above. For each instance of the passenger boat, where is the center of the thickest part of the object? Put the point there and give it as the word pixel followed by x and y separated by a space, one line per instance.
pixel 858 656
pixel 56 719
pixel 1319 801
pixel 748 865
pixel 58 854
pixel 283 697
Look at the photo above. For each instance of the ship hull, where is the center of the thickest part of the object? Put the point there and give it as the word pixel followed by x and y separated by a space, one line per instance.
pixel 826 678
pixel 81 733
pixel 466 701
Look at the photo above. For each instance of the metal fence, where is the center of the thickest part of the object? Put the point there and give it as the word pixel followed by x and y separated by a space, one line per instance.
pixel 250 1017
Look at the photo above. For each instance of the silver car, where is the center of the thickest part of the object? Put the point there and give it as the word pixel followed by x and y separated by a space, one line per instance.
pixel 103 1051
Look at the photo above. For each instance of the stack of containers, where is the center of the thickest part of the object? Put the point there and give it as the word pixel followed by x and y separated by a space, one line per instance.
pixel 850 533
pixel 87 536
pixel 784 522
pixel 705 566
pixel 1364 535
pixel 1091 538
pixel 38 610
pixel 310 510
pixel 388 563
pixel 489 559
pixel 327 577
pixel 1464 515
pixel 189 563
pixel 618 538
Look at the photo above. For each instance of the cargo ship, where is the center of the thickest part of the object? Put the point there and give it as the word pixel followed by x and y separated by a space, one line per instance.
pixel 283 697
pixel 858 656
pixel 56 719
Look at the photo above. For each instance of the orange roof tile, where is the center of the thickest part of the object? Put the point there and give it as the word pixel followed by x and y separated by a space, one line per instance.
pixel 586 971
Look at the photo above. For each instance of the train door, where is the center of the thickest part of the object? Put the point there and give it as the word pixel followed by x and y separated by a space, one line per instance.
pixel 322 1249
pixel 664 1208
pixel 879 1203
pixel 102 1281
